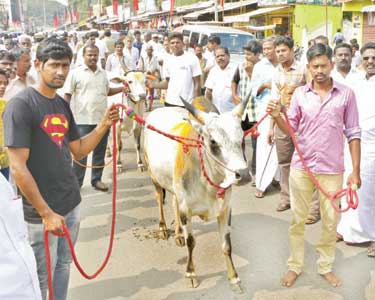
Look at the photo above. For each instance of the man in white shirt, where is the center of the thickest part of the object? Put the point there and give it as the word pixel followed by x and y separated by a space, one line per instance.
pixel 212 44
pixel 182 74
pixel 18 275
pixel 219 81
pixel 22 79
pixel 88 87
pixel 146 39
pixel 131 54
pixel 343 71
pixel 116 60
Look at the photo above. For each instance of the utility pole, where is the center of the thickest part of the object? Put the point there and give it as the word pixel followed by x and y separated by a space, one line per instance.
pixel 216 12
pixel 44 15
pixel 326 6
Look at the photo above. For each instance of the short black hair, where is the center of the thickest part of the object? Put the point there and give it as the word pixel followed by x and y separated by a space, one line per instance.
pixel 370 45
pixel 137 32
pixel 107 32
pixel 214 39
pixel 353 41
pixel 322 37
pixel 319 50
pixel 225 49
pixel 284 40
pixel 2 72
pixel 4 54
pixel 342 45
pixel 93 34
pixel 254 46
pixel 176 35
pixel 18 52
pixel 53 48
pixel 90 47
pixel 355 46
pixel 119 42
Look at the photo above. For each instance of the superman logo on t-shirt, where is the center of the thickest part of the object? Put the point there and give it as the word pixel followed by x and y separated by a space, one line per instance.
pixel 56 126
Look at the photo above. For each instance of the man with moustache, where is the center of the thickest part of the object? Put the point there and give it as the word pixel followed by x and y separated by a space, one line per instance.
pixel 7 63
pixel 41 135
pixel 343 71
pixel 88 87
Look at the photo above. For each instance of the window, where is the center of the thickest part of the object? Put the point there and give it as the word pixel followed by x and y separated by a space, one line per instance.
pixel 234 41
pixel 194 39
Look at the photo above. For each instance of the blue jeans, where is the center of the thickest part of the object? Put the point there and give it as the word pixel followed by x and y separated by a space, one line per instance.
pixel 60 255
pixel 97 157
pixel 5 172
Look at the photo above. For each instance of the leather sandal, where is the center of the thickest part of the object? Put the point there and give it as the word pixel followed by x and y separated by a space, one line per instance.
pixel 282 207
pixel 311 219
pixel 101 186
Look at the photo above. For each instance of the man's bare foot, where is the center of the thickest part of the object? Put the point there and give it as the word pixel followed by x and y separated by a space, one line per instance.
pixel 289 278
pixel 332 279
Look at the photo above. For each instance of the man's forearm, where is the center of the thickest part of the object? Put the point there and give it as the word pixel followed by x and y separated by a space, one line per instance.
pixel 114 91
pixel 280 122
pixel 90 141
pixel 26 183
pixel 355 153
pixel 163 85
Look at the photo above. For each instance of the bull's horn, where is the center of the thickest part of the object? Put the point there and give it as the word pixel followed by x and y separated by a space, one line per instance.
pixel 130 71
pixel 214 108
pixel 240 108
pixel 198 114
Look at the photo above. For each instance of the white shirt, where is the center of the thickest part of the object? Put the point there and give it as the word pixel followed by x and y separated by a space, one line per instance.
pixel 220 82
pixel 162 58
pixel 18 275
pixel 180 70
pixel 89 92
pixel 148 64
pixel 131 58
pixel 336 75
pixel 114 62
pixel 16 85
pixel 103 50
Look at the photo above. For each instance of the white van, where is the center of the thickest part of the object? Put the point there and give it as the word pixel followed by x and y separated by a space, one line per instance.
pixel 233 39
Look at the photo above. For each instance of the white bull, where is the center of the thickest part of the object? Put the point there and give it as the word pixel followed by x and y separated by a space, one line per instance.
pixel 136 99
pixel 179 172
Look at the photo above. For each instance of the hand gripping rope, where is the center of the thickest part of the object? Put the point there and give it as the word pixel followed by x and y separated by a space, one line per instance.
pixel 349 192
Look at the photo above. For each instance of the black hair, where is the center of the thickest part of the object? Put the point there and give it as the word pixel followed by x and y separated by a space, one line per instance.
pixel 339 41
pixel 90 47
pixel 2 72
pixel 137 32
pixel 214 39
pixel 225 49
pixel 355 46
pixel 4 54
pixel 18 52
pixel 93 34
pixel 53 48
pixel 284 40
pixel 322 37
pixel 319 50
pixel 353 41
pixel 370 45
pixel 254 46
pixel 107 32
pixel 175 35
pixel 119 42
pixel 342 45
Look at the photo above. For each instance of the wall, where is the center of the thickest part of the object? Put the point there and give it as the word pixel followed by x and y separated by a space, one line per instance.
pixel 310 20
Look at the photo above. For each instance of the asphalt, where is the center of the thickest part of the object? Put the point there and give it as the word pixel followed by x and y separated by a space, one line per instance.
pixel 143 267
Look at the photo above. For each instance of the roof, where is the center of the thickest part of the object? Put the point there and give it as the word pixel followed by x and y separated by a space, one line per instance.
pixel 257 12
pixel 210 29
pixel 227 6
pixel 368 8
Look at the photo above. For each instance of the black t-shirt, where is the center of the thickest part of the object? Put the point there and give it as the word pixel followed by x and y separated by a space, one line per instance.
pixel 45 126
pixel 236 77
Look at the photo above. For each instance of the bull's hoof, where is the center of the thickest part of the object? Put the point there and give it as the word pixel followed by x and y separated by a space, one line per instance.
pixel 180 240
pixel 163 232
pixel 192 279
pixel 236 286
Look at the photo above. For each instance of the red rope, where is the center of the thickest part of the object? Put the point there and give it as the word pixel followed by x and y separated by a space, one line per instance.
pixel 66 233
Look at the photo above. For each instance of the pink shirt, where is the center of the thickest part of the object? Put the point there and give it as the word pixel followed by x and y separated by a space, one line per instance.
pixel 321 126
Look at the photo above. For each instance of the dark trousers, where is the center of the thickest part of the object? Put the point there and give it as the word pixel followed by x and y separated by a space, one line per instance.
pixel 97 157
pixel 246 124
pixel 5 172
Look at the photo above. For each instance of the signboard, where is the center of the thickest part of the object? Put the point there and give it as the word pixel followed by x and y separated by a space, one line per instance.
pixel 277 21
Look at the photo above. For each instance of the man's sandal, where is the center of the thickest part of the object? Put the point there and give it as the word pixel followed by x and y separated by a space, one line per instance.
pixel 311 219
pixel 282 207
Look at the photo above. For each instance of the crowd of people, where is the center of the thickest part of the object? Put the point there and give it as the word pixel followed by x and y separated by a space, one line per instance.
pixel 54 95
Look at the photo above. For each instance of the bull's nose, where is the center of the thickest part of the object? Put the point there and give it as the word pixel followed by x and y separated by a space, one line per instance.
pixel 242 176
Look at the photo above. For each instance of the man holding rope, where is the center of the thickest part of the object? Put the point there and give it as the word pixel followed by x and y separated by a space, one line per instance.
pixel 320 112
pixel 40 133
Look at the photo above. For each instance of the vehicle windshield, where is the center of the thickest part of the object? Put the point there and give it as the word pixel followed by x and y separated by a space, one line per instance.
pixel 234 41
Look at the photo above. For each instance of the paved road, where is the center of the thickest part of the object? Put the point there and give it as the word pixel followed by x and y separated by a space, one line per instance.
pixel 142 267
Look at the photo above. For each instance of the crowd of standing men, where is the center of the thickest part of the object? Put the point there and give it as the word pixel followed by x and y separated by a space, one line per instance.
pixel 54 101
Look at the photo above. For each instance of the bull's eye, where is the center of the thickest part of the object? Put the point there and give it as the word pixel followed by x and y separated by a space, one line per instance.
pixel 130 82
pixel 214 146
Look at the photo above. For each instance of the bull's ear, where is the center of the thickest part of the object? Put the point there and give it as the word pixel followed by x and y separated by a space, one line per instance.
pixel 199 115
pixel 240 108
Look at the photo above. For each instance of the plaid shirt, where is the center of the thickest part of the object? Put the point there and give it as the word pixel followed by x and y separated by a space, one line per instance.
pixel 285 82
pixel 245 86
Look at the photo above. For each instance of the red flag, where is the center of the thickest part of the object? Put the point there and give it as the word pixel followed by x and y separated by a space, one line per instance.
pixel 172 8
pixel 135 5
pixel 56 20
pixel 115 7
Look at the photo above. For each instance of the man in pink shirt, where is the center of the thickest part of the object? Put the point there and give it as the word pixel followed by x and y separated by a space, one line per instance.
pixel 320 113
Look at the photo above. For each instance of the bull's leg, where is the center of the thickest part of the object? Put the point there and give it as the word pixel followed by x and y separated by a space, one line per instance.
pixel 160 194
pixel 119 148
pixel 224 222
pixel 179 238
pixel 190 242
pixel 137 140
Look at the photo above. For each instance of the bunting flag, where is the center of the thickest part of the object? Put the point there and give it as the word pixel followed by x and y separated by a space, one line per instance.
pixel 75 14
pixel 135 3
pixel 222 3
pixel 115 7
pixel 56 20
pixel 172 8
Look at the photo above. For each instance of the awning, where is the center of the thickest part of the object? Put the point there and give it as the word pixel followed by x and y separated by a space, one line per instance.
pixel 227 6
pixel 246 17
pixel 368 8
pixel 194 7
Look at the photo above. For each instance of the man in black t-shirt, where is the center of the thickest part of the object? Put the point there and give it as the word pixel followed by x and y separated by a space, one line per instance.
pixel 40 133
